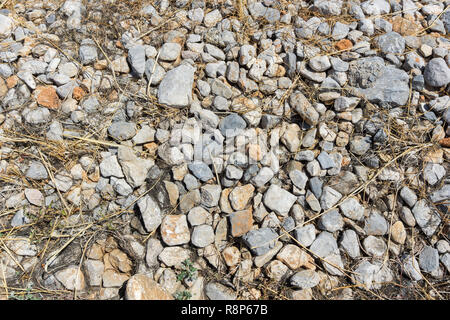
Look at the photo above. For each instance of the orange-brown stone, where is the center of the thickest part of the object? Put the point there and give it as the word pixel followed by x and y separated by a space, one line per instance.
pixel 404 26
pixel 78 93
pixel 240 196
pixel 11 82
pixel 47 97
pixel 445 142
pixel 142 287
pixel 343 44
pixel 241 222
pixel 3 88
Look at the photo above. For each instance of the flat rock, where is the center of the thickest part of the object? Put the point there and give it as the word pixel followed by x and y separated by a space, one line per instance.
pixel 261 240
pixel 324 245
pixel 278 199
pixel 241 222
pixel 429 259
pixel 175 230
pixel 72 278
pixel 143 287
pixel 305 279
pixel 217 291
pixel 437 73
pixel 175 89
pixel 202 236
pixel 150 212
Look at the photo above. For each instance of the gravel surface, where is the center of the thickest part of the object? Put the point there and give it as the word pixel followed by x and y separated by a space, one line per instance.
pixel 224 149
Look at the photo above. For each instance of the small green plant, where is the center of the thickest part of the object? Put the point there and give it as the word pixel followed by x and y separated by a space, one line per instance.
pixel 27 296
pixel 183 295
pixel 188 271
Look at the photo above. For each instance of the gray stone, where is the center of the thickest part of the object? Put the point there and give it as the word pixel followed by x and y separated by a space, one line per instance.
pixel 359 145
pixel 260 241
pixel 201 170
pixel 443 246
pixel 135 169
pixel 340 31
pixel 197 216
pixel 320 63
pixel 191 182
pixel 278 199
pixel 437 73
pixel 374 246
pixel 426 218
pixel 331 221
pixel 175 89
pixel 429 259
pixel 154 248
pixel 315 184
pixel 217 291
pixel 65 91
pixel 19 219
pixel 326 162
pixel 150 212
pixel 376 7
pixel 305 279
pixel 391 42
pixel 37 116
pixel 122 130
pixel 58 78
pixel 309 74
pixel 412 268
pixel 365 274
pixel 445 259
pixel 376 224
pixel 154 72
pixel 304 108
pixel 233 172
pixel 351 208
pixel 121 186
pixel 264 175
pixel 329 198
pixel 110 167
pixel 36 171
pixel 136 57
pixel 433 172
pixel 27 77
pixel 328 7
pixel 298 177
pixel 174 256
pixel 306 234
pixel 333 264
pixel 6 26
pixel 202 236
pixel 441 194
pixel 210 195
pixel 232 125
pixel 94 270
pixel 408 196
pixel 169 51
pixel 324 245
pixel 390 88
pixel 212 18
pixel 258 10
pixel 350 243
pixel 88 53
pixel 144 135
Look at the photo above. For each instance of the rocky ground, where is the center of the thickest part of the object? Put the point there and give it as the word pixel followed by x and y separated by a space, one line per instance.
pixel 197 149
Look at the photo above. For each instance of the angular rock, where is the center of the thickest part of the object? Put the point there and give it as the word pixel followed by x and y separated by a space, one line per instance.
pixel 278 199
pixel 175 90
pixel 175 230
pixel 260 241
